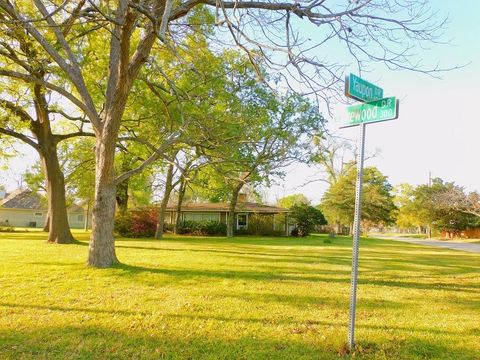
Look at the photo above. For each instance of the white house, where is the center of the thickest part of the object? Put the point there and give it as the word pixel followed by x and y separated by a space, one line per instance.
pixel 192 211
pixel 25 208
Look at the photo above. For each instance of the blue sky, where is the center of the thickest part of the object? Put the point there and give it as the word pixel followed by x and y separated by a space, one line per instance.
pixel 438 130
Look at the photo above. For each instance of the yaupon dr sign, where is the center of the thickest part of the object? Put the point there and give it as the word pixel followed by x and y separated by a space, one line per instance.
pixel 362 90
pixel 375 108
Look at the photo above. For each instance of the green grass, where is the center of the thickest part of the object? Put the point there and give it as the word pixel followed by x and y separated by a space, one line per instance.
pixel 406 235
pixel 425 237
pixel 246 298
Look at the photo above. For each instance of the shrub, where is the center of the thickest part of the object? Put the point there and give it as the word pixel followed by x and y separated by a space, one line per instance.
pixel 261 225
pixel 214 228
pixel 137 223
pixel 202 227
pixel 7 229
pixel 294 232
pixel 307 218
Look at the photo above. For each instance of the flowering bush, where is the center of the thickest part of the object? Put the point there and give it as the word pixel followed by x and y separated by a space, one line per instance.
pixel 137 223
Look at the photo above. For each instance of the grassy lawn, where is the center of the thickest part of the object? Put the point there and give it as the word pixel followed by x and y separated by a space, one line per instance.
pixel 424 237
pixel 406 235
pixel 246 298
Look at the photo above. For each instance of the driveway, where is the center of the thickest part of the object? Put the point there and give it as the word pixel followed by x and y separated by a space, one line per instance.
pixel 473 248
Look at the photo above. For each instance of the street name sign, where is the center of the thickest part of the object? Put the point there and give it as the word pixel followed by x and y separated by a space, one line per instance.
pixel 362 90
pixel 373 111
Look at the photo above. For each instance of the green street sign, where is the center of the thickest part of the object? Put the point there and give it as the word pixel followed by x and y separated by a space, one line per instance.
pixel 373 111
pixel 362 90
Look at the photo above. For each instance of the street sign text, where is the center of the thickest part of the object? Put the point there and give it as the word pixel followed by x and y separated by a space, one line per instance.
pixel 362 90
pixel 373 111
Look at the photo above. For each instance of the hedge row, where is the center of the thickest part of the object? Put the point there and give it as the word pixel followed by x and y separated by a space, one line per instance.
pixel 202 228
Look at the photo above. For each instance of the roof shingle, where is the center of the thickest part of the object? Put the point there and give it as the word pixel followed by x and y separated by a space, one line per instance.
pixel 23 199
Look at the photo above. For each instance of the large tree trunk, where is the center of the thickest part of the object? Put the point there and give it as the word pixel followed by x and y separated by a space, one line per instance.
pixel 338 228
pixel 59 229
pixel 123 70
pixel 101 252
pixel 46 226
pixel 163 205
pixel 231 210
pixel 181 196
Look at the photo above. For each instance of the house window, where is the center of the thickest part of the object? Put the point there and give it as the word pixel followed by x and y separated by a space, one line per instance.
pixel 79 218
pixel 241 221
pixel 38 214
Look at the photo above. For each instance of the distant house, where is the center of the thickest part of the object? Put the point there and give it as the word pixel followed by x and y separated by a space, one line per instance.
pixel 25 208
pixel 193 211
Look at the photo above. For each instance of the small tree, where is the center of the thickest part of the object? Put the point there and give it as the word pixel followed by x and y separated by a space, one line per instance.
pixel 338 203
pixel 306 218
pixel 291 200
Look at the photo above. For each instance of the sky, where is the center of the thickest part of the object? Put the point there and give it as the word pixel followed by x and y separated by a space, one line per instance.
pixel 437 132
pixel 438 129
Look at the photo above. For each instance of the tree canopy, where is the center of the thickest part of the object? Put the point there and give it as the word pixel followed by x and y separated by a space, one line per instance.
pixel 338 203
pixel 102 57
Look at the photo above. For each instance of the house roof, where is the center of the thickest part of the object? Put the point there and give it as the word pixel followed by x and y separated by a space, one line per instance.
pixel 29 200
pixel 22 199
pixel 223 206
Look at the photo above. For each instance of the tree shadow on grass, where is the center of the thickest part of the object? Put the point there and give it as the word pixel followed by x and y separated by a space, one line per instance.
pixel 241 319
pixel 131 270
pixel 233 253
pixel 95 342
pixel 100 342
pixel 399 258
pixel 259 241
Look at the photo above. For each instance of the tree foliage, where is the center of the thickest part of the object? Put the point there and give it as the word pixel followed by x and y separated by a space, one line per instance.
pixel 306 218
pixel 291 200
pixel 441 205
pixel 338 203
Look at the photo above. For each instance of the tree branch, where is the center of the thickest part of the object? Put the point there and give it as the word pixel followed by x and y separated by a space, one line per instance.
pixel 159 152
pixel 16 110
pixel 21 137
pixel 71 72
pixel 297 9
pixel 33 80
pixel 61 137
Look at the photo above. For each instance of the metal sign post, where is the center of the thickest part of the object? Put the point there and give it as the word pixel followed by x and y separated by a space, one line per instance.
pixel 356 238
pixel 374 108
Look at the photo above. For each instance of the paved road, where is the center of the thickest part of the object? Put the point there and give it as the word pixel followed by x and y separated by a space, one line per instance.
pixel 474 248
